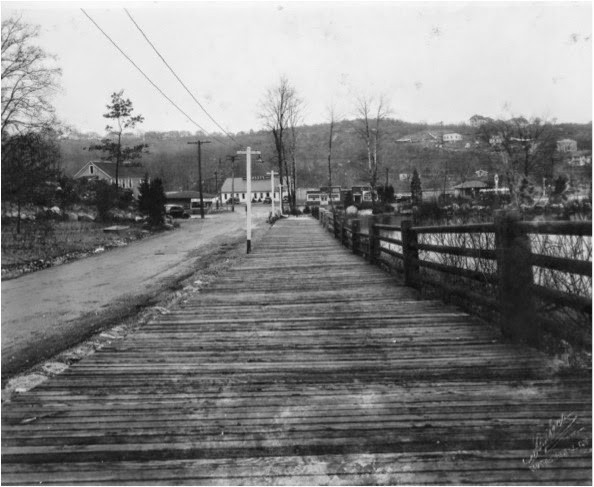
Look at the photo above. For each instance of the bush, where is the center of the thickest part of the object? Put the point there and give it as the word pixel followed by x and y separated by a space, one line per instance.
pixel 105 198
pixel 428 211
pixel 306 210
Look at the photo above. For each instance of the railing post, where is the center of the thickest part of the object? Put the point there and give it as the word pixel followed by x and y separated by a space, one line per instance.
pixel 355 229
pixel 343 227
pixel 514 270
pixel 409 252
pixel 374 243
pixel 335 226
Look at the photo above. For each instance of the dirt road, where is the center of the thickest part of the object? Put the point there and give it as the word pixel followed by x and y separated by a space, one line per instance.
pixel 45 312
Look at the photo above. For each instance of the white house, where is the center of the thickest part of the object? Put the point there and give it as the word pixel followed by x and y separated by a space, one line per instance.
pixel 128 177
pixel 566 145
pixel 261 188
pixel 453 137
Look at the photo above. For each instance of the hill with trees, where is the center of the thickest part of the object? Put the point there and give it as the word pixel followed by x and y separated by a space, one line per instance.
pixel 171 158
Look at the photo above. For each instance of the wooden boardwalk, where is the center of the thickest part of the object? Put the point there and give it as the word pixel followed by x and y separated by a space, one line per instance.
pixel 301 365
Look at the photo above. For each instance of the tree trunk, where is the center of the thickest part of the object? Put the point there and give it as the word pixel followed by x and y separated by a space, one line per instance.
pixel 18 216
pixel 118 155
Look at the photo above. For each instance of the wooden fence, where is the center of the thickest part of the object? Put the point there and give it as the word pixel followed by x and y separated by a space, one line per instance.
pixel 503 284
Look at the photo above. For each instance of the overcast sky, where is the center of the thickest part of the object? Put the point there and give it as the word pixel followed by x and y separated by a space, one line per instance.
pixel 441 61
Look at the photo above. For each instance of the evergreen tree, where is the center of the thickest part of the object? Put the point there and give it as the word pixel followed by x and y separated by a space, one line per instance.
pixel 120 111
pixel 144 197
pixel 151 200
pixel 157 202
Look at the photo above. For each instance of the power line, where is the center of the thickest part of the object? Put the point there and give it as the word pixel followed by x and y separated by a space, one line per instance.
pixel 146 77
pixel 177 77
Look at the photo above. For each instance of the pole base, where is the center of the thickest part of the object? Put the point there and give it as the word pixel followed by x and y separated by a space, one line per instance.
pixel 249 246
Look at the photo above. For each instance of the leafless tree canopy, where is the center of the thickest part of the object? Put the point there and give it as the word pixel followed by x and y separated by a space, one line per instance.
pixel 29 77
pixel 281 113
pixel 526 147
pixel 371 113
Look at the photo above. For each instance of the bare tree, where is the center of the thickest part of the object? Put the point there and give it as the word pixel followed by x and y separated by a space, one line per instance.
pixel 281 111
pixel 332 120
pixel 369 130
pixel 525 147
pixel 28 79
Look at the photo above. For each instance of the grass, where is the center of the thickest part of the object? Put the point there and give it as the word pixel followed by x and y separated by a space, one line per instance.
pixel 44 243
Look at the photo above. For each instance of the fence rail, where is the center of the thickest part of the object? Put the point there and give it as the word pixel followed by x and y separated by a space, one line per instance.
pixel 507 279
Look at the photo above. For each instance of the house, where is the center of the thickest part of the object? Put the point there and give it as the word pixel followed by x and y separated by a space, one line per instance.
pixel 453 137
pixel 580 160
pixel 566 145
pixel 362 193
pixel 496 140
pixel 469 188
pixel 322 196
pixel 128 177
pixel 333 191
pixel 261 188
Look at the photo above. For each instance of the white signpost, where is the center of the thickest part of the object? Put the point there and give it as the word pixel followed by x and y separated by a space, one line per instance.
pixel 248 174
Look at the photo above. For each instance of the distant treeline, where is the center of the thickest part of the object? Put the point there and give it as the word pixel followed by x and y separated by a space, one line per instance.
pixel 172 159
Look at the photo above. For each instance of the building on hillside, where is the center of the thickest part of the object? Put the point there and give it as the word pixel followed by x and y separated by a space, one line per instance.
pixel 496 140
pixel 452 137
pixel 128 177
pixel 566 145
pixel 580 159
pixel 261 188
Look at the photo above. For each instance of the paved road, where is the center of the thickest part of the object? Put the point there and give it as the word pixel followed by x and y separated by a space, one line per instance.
pixel 46 311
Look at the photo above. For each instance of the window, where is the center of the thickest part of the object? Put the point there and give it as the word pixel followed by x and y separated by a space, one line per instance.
pixel 268 194
pixel 91 170
pixel 242 196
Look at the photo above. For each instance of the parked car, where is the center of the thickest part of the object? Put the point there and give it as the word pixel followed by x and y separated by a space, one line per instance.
pixel 233 200
pixel 176 211
pixel 267 200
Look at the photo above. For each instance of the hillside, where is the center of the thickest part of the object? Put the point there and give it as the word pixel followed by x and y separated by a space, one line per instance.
pixel 175 161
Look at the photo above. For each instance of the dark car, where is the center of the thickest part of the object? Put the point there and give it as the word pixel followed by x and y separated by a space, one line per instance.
pixel 267 200
pixel 235 201
pixel 176 211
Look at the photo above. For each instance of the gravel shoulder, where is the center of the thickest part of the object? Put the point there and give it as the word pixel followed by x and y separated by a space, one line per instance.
pixel 45 312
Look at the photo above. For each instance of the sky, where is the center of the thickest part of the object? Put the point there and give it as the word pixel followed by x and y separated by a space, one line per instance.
pixel 433 61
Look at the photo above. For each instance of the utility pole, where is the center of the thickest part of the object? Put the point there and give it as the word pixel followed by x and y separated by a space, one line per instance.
pixel 217 186
pixel 248 172
pixel 199 144
pixel 232 159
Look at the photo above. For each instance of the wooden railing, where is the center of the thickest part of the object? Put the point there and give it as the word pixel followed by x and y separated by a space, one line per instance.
pixel 501 279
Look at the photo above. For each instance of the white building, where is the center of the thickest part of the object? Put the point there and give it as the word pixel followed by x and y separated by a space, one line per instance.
pixel 261 188
pixel 453 137
pixel 566 145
